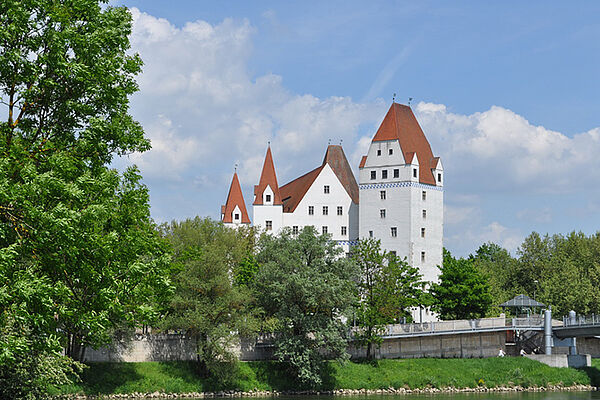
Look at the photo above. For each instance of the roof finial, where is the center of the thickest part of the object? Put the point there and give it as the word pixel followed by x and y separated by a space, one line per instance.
pixel 409 100
pixel 329 142
pixel 235 168
pixel 394 98
pixel 269 143
pixel 341 141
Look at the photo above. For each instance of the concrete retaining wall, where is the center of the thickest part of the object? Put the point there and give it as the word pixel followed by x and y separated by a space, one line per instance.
pixel 179 347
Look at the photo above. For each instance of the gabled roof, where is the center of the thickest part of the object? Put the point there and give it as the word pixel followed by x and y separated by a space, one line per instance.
pixel 522 301
pixel 400 124
pixel 293 192
pixel 267 178
pixel 235 198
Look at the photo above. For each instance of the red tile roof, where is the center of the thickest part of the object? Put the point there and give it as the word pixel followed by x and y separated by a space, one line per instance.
pixel 235 198
pixel 293 192
pixel 267 178
pixel 363 160
pixel 400 124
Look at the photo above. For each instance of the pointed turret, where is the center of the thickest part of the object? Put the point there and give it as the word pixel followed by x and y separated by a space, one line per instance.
pixel 234 211
pixel 267 190
pixel 400 124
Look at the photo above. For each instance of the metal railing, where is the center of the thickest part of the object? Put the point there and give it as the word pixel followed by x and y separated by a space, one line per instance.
pixel 448 327
pixel 580 320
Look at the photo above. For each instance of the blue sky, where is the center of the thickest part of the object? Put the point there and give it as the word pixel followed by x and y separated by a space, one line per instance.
pixel 506 92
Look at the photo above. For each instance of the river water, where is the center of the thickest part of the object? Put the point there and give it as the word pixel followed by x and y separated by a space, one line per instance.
pixel 456 396
pixel 461 396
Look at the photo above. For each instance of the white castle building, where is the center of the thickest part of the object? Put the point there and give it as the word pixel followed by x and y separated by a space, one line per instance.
pixel 399 198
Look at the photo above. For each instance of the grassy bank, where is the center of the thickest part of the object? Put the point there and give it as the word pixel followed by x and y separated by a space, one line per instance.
pixel 180 377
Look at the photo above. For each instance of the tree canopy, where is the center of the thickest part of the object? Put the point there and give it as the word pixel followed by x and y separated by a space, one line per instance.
pixel 306 284
pixel 462 291
pixel 74 233
pixel 387 288
pixel 207 304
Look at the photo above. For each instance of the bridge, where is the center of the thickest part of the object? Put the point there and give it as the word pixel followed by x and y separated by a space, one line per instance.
pixel 556 332
pixel 578 326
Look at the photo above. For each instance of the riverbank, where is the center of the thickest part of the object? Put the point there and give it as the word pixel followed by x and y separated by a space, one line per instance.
pixel 383 376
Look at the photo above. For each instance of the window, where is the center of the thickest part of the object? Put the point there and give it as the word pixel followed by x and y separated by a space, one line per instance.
pixel 382 194
pixel 424 214
pixel 269 225
pixel 396 173
pixel 424 195
pixel 394 231
pixel 378 152
pixel 414 172
pixel 236 216
pixel 373 175
pixel 382 213
pixel 326 189
pixel 422 232
pixel 325 210
pixel 340 210
pixel 295 229
pixel 311 210
pixel 391 151
pixel 384 174
pixel 344 231
pixel 370 234
pixel 267 198
pixel 422 256
pixel 324 229
pixel 439 177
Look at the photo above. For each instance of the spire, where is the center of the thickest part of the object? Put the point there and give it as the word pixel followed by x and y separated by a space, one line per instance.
pixel 235 198
pixel 267 178
pixel 401 124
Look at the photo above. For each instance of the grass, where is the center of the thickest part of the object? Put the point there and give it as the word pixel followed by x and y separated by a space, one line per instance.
pixel 180 377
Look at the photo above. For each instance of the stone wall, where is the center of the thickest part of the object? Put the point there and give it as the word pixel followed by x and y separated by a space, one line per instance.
pixel 178 347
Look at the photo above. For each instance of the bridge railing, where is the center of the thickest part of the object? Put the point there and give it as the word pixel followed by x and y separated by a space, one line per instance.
pixel 579 320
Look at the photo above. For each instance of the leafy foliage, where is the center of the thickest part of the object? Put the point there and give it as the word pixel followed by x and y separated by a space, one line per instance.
pixel 387 288
pixel 462 292
pixel 79 234
pixel 560 270
pixel 207 305
pixel 307 286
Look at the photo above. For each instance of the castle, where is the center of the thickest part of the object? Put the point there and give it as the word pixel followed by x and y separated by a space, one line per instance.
pixel 398 199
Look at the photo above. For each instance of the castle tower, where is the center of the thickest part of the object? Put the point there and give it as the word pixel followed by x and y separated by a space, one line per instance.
pixel 234 213
pixel 267 207
pixel 401 192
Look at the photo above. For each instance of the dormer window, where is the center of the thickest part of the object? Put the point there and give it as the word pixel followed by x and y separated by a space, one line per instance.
pixel 439 177
pixel 378 152
pixel 391 151
pixel 414 172
pixel 268 198
pixel 236 216
pixel 326 189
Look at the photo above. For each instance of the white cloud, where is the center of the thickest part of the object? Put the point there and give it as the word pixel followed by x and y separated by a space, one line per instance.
pixel 218 115
pixel 498 150
pixel 205 112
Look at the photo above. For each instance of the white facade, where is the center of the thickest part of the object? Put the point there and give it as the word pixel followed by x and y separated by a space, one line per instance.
pixel 406 215
pixel 332 212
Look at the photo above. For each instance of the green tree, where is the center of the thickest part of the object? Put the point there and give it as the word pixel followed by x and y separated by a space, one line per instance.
pixel 462 292
pixel 387 288
pixel 306 284
pixel 500 270
pixel 207 305
pixel 73 224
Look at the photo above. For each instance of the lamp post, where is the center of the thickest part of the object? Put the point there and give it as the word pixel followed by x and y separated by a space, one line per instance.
pixel 535 283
